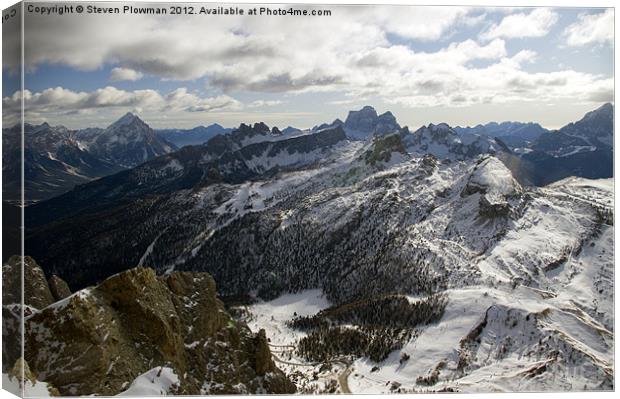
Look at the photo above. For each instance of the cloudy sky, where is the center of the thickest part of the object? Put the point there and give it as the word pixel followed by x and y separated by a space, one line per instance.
pixel 457 65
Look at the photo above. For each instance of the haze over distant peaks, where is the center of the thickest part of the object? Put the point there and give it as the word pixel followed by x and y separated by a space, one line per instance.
pixel 195 136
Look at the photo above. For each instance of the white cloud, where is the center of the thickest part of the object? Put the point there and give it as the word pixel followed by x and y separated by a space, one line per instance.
pixel 348 53
pixel 591 29
pixel 58 100
pixel 159 46
pixel 120 74
pixel 264 103
pixel 506 82
pixel 413 23
pixel 537 23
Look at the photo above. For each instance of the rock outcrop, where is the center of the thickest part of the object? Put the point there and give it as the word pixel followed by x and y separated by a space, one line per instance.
pixel 500 194
pixel 58 288
pixel 98 340
pixel 37 292
pixel 383 148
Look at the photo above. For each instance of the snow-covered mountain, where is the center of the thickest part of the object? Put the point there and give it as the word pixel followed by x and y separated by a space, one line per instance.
pixel 596 126
pixel 444 142
pixel 337 122
pixel 583 148
pixel 406 261
pixel 223 160
pixel 593 131
pixel 291 130
pixel 54 162
pixel 538 156
pixel 245 135
pixel 56 159
pixel 526 271
pixel 127 142
pixel 513 134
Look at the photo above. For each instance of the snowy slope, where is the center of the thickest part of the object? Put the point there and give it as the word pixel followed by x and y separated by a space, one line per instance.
pixel 36 389
pixel 536 316
pixel 158 381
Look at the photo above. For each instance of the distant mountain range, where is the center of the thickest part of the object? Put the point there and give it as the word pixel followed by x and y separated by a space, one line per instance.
pixel 583 148
pixel 54 162
pixel 513 134
pixel 59 158
pixel 196 136
pixel 258 152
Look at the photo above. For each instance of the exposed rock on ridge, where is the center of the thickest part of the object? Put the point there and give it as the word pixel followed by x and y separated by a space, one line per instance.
pixel 100 339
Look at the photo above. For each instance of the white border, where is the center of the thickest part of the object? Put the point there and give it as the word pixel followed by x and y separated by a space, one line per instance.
pixel 484 3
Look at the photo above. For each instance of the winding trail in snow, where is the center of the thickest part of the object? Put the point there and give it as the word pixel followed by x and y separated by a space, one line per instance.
pixel 342 378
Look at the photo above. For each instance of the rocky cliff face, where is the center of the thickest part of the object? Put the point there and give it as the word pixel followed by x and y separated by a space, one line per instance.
pixel 100 339
pixel 37 295
pixel 365 123
pixel 58 288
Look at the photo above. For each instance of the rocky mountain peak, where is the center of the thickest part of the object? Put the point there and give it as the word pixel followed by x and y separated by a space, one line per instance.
pixel 362 120
pixel 442 141
pixel 366 122
pixel 441 132
pixel 598 122
pixel 246 131
pixel 337 122
pixel 127 119
pixel 101 338
pixel 595 129
pixel 127 142
pixel 290 130
pixel 129 126
pixel 261 128
pixel 605 110
pixel 440 127
pixel 500 194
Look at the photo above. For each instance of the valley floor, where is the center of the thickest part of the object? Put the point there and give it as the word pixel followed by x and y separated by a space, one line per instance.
pixel 491 338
